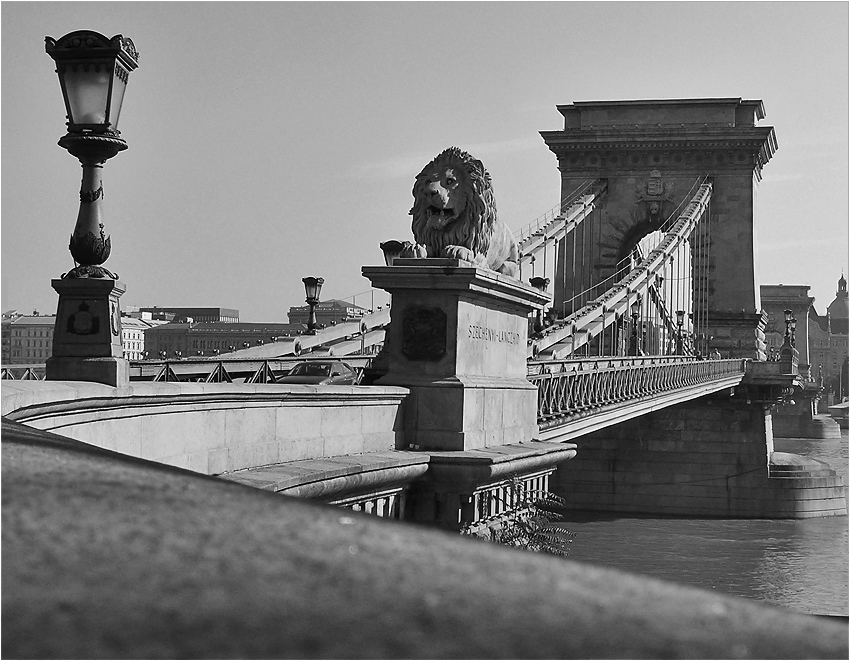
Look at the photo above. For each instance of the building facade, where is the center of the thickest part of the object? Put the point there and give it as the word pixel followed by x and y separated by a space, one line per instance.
pixel 329 312
pixel 133 335
pixel 27 339
pixel 775 299
pixel 210 339
pixel 189 315
pixel 821 340
pixel 829 344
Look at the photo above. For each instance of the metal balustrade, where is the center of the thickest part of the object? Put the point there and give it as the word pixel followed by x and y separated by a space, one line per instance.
pixel 230 370
pixel 573 388
pixel 22 372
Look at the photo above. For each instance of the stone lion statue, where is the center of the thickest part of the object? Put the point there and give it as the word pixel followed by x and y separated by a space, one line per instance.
pixel 454 215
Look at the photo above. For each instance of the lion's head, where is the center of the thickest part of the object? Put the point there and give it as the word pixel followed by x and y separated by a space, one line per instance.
pixel 453 204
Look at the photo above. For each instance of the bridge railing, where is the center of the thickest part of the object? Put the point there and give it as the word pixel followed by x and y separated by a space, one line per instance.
pixel 570 388
pixel 34 372
pixel 230 370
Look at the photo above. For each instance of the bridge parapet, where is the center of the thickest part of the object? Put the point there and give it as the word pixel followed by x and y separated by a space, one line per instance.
pixel 578 396
pixel 213 428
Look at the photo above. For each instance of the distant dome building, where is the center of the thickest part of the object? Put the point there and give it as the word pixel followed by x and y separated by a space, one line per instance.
pixel 828 343
pixel 837 310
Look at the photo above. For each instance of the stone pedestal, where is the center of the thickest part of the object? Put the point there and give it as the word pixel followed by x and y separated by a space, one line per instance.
pixel 458 339
pixel 87 337
pixel 738 335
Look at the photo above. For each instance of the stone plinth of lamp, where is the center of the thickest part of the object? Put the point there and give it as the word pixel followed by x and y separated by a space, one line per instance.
pixel 87 337
pixel 458 340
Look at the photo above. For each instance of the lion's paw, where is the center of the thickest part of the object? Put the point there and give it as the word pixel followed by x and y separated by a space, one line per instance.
pixel 413 250
pixel 459 252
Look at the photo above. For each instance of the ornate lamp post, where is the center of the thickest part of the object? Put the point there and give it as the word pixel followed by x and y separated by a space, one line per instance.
pixel 313 289
pixel 788 355
pixel 680 321
pixel 634 347
pixel 540 285
pixel 789 315
pixel 93 73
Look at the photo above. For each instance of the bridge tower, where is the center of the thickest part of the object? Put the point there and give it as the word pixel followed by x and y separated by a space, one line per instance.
pixel 652 152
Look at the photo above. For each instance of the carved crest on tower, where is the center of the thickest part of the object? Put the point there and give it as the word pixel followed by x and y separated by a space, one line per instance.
pixel 651 196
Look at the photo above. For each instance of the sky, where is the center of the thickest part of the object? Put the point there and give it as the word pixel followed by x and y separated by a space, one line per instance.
pixel 269 141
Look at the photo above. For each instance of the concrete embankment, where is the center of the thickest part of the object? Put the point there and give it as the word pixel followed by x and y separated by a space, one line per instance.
pixel 106 556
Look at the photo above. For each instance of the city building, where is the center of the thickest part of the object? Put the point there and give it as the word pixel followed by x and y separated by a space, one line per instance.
pixel 189 315
pixel 27 338
pixel 209 339
pixel 329 312
pixel 828 342
pixel 822 340
pixel 133 335
pixel 775 299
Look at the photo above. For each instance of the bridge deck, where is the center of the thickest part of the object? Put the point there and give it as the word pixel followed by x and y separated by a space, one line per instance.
pixel 581 396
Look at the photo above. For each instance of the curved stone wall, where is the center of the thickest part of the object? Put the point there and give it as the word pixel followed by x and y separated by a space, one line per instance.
pixel 213 428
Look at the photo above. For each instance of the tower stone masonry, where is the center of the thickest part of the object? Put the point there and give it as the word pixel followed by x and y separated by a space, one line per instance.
pixel 652 154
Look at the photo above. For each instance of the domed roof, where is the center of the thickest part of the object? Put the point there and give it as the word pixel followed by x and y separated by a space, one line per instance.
pixel 837 310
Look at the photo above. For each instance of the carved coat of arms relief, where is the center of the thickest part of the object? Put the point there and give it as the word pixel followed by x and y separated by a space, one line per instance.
pixel 651 197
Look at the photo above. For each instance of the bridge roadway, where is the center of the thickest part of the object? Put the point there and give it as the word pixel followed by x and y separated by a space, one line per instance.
pixel 330 442
pixel 575 396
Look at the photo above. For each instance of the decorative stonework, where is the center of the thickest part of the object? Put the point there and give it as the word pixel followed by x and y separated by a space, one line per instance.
pixel 91 196
pixel 87 337
pixel 90 249
pixel 651 196
pixel 82 321
pixel 423 333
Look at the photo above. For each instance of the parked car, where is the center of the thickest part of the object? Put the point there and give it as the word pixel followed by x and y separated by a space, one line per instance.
pixel 330 372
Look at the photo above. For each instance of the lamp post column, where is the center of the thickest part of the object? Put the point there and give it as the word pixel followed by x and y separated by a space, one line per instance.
pixel 93 72
pixel 90 246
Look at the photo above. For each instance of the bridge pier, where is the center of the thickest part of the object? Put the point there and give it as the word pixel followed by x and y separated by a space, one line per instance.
pixel 710 457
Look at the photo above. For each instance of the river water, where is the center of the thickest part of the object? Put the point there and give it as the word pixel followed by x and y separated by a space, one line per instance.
pixel 798 564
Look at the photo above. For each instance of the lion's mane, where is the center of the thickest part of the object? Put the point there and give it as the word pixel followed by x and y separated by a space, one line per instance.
pixel 474 229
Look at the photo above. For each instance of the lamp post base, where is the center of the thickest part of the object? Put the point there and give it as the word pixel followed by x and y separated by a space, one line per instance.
pixel 109 371
pixel 87 337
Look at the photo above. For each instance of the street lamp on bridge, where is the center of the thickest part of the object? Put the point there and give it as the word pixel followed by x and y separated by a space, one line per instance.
pixel 788 356
pixel 634 344
pixel 680 321
pixel 540 285
pixel 93 72
pixel 789 318
pixel 313 289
